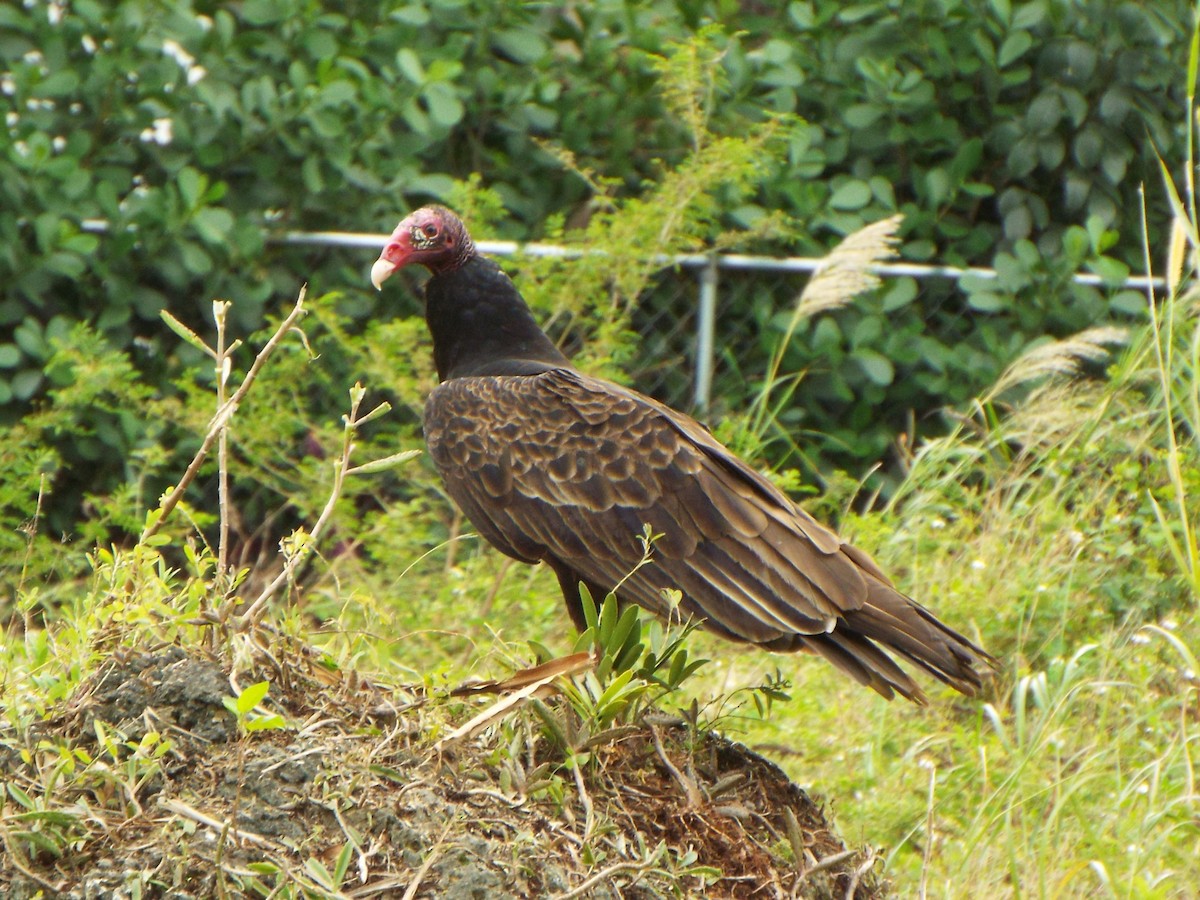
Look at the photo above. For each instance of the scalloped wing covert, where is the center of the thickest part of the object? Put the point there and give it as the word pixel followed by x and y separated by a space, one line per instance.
pixel 567 469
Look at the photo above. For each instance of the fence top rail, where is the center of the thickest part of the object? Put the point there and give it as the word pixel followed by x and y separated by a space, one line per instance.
pixel 730 261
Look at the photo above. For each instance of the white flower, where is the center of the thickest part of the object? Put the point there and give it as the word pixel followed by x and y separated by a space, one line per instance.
pixel 174 50
pixel 937 523
pixel 195 73
pixel 59 143
pixel 54 13
pixel 89 43
pixel 161 134
pixel 205 22
pixel 11 119
pixel 978 564
pixel 7 86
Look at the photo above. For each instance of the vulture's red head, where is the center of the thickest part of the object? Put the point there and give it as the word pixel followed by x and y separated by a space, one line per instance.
pixel 432 236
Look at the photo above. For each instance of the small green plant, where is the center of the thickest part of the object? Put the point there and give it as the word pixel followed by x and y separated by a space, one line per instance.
pixel 244 707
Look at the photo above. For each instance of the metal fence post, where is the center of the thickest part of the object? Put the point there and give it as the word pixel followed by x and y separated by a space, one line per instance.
pixel 706 320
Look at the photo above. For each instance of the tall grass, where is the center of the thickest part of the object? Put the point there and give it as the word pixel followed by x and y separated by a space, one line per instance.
pixel 1058 520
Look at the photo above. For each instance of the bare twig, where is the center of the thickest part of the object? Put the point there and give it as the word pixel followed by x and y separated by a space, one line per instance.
pixel 868 863
pixel 188 812
pixel 222 362
pixel 221 419
pixel 434 852
pixel 827 862
pixel 30 533
pixel 589 812
pixel 928 851
pixel 603 875
pixel 304 548
pixel 689 786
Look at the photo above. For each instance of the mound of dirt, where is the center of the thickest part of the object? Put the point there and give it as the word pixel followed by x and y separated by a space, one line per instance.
pixel 146 785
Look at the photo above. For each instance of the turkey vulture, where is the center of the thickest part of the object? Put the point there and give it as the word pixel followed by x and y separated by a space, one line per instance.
pixel 552 465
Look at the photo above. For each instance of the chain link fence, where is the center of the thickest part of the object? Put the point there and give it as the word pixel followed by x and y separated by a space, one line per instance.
pixel 694 337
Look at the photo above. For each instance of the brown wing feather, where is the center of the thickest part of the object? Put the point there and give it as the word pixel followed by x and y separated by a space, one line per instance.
pixel 568 469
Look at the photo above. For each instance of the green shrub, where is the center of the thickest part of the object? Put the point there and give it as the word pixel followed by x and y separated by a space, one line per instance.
pixel 1007 135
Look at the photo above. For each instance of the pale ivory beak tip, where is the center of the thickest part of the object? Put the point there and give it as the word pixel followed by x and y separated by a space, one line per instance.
pixel 380 272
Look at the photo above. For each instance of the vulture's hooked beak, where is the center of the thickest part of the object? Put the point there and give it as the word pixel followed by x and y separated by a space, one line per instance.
pixel 381 271
pixel 395 255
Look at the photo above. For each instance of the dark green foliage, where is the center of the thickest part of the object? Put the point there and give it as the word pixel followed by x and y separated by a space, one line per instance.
pixel 1012 135
pixel 1009 135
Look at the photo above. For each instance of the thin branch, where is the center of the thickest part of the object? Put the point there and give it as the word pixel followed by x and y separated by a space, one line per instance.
pixel 603 875
pixel 434 852
pixel 189 812
pixel 689 787
pixel 220 311
pixel 868 864
pixel 221 419
pixel 293 562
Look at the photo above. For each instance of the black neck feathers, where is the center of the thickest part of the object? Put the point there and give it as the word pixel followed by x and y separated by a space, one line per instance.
pixel 481 326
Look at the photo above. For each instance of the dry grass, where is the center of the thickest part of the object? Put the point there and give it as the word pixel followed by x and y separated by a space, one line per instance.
pixel 143 782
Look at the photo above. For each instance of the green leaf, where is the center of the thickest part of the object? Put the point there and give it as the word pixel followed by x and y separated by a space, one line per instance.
pixel 192 185
pixel 187 334
pixel 316 869
pixel 853 194
pixel 384 464
pixel 195 260
pixel 10 356
pixel 608 621
pixel 1014 47
pixel 1129 303
pixel 937 184
pixel 589 607
pixel 252 696
pixel 1076 243
pixel 264 12
pixel 876 366
pixel 57 84
pixel 213 224
pixel 863 115
pixel 264 723
pixel 1112 271
pixel 25 383
pixel 444 106
pixel 20 796
pixel 1045 112
pixel 343 864
pixel 524 47
pixel 1029 15
pixel 986 301
pixel 410 66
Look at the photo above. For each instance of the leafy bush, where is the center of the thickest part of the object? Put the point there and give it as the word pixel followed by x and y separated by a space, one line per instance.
pixel 1007 135
pixel 284 432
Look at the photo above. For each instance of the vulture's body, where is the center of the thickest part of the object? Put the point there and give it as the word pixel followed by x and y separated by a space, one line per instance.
pixel 554 466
